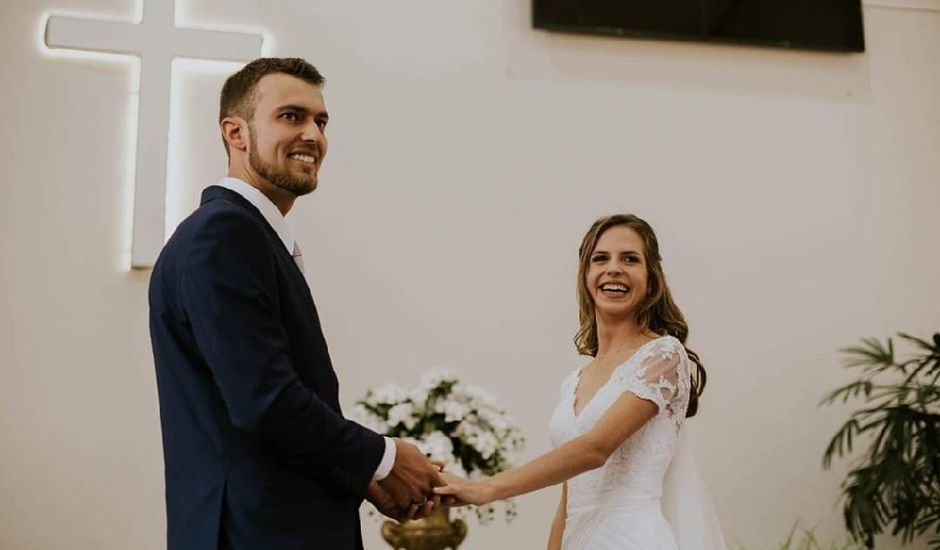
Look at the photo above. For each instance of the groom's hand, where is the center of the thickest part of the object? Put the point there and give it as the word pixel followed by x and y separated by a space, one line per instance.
pixel 412 479
pixel 384 502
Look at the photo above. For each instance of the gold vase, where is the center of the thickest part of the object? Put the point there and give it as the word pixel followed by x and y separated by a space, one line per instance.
pixel 434 532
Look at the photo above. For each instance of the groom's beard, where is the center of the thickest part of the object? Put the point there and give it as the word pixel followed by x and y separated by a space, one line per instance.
pixel 279 175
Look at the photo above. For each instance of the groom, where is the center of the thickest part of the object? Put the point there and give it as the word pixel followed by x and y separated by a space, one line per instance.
pixel 257 452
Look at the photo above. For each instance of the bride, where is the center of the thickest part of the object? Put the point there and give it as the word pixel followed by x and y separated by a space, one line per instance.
pixel 628 481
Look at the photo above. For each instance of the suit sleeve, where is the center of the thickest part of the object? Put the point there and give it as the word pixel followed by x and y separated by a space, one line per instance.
pixel 229 288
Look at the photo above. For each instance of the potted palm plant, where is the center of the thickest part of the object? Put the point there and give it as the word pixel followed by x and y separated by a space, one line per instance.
pixel 894 485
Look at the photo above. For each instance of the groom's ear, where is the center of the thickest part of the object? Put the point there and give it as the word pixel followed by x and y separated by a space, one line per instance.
pixel 235 132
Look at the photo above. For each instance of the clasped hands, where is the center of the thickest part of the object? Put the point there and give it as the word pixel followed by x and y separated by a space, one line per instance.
pixel 417 485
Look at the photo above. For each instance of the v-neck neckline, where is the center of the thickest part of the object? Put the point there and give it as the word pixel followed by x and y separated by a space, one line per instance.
pixel 577 381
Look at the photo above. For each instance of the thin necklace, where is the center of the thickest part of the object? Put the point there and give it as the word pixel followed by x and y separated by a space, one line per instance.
pixel 606 359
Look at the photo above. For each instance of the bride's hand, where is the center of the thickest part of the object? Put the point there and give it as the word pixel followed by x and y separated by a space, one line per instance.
pixel 466 491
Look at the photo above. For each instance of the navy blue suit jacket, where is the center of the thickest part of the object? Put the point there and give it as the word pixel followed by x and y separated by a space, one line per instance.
pixel 257 452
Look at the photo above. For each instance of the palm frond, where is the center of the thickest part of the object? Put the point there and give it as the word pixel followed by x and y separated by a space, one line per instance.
pixel 931 347
pixel 895 484
pixel 841 443
pixel 870 353
pixel 924 367
pixel 853 389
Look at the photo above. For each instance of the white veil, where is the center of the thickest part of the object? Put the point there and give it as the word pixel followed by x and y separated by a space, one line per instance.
pixel 687 504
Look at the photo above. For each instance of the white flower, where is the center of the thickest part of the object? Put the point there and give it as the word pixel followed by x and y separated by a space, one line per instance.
pixel 453 411
pixel 402 413
pixel 434 378
pixel 438 447
pixel 467 430
pixel 359 412
pixel 419 398
pixel 478 396
pixel 418 395
pixel 369 419
pixel 453 466
pixel 488 417
pixel 484 442
pixel 390 394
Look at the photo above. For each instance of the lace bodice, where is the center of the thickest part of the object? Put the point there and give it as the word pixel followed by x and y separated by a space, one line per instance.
pixel 659 371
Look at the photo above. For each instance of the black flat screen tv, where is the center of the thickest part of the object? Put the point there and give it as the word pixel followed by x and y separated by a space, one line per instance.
pixel 811 24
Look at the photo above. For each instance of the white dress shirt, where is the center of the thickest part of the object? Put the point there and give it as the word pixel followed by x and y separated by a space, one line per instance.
pixel 278 222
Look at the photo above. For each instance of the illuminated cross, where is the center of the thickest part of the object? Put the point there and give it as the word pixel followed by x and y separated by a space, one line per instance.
pixel 156 40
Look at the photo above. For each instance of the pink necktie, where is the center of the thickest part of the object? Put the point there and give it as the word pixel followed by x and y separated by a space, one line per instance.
pixel 298 257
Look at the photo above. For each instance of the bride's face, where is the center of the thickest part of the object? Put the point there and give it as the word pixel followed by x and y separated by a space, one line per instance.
pixel 617 274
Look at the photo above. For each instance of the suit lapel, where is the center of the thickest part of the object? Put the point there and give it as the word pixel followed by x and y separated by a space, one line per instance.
pixel 215 192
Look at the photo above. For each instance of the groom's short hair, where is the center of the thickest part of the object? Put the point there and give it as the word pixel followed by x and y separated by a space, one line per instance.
pixel 238 93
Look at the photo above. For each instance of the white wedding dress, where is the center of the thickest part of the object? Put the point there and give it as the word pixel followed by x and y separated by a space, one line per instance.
pixel 648 496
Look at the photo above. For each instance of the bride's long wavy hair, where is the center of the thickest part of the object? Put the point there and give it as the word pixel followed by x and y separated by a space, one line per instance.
pixel 657 312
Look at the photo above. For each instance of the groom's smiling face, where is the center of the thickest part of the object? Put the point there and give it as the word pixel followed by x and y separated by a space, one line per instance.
pixel 288 133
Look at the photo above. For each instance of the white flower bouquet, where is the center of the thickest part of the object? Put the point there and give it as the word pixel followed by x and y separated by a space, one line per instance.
pixel 458 425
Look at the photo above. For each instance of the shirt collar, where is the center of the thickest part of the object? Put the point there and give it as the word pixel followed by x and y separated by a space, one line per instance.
pixel 268 210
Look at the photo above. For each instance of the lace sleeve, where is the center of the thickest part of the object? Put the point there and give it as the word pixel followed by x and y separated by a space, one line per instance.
pixel 656 378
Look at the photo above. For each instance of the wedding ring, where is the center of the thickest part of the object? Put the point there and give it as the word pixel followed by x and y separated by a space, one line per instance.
pixel 422 503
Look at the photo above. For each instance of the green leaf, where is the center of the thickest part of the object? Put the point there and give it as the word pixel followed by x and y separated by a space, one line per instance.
pixel 923 344
pixel 849 390
pixel 871 352
pixel 841 442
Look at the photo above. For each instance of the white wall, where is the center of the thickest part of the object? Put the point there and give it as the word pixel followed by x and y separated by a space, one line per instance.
pixel 795 196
